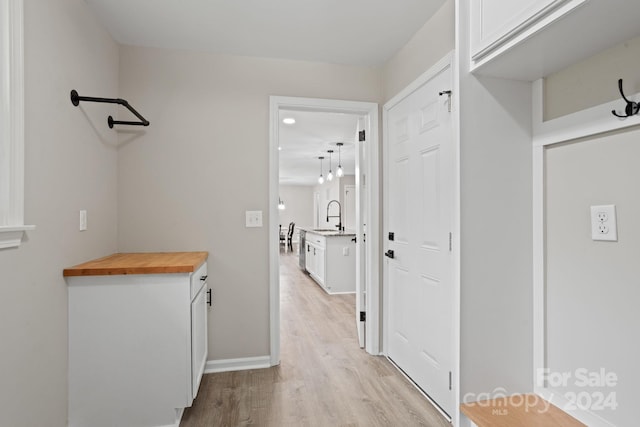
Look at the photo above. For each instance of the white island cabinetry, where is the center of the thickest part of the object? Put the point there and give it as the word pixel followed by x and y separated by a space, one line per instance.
pixel 137 338
pixel 330 261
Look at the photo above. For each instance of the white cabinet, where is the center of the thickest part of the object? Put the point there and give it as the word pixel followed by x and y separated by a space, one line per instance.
pixel 310 260
pixel 531 39
pixel 137 347
pixel 493 22
pixel 320 265
pixel 199 348
pixel 331 262
pixel 315 262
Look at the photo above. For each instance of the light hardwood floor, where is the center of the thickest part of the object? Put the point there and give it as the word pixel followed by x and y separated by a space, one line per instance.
pixel 324 378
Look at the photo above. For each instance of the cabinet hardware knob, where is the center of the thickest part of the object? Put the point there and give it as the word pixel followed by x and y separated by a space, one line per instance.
pixel 203 278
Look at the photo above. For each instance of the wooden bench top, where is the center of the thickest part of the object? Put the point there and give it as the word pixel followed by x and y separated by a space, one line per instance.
pixel 140 263
pixel 523 410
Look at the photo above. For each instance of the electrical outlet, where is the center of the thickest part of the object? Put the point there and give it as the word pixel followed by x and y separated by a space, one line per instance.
pixel 603 223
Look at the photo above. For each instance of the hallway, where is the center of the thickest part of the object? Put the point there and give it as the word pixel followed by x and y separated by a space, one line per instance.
pixel 324 378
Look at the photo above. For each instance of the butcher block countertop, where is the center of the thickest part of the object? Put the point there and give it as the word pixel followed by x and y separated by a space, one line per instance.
pixel 140 263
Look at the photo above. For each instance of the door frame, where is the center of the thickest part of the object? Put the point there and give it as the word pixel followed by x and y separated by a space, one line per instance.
pixel 448 61
pixel 370 110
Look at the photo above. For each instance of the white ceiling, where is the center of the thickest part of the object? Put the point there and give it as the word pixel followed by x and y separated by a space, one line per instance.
pixel 358 32
pixel 309 138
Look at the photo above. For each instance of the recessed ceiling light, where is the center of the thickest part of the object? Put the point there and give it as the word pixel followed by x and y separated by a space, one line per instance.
pixel 288 120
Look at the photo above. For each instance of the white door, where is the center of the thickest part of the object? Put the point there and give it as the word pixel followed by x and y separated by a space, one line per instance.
pixel 418 271
pixel 361 230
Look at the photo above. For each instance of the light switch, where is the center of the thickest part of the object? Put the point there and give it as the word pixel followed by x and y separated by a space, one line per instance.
pixel 253 218
pixel 603 223
pixel 83 220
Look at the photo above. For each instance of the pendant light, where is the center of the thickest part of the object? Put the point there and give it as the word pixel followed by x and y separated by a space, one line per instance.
pixel 281 205
pixel 330 174
pixel 321 178
pixel 339 171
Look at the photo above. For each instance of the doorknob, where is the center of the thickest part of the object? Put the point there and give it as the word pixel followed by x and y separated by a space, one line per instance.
pixel 389 254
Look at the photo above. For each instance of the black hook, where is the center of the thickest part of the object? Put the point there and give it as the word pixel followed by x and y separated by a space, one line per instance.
pixel 631 109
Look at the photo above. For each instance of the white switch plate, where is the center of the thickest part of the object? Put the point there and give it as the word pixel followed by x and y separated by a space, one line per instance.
pixel 253 218
pixel 83 220
pixel 603 223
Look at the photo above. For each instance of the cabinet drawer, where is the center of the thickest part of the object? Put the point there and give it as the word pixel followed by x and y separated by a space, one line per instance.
pixel 198 279
pixel 316 240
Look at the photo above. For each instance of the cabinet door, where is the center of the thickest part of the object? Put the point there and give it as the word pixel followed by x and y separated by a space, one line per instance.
pixel 309 260
pixel 493 22
pixel 320 265
pixel 198 339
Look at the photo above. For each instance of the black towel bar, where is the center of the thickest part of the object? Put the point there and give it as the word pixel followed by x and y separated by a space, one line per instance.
pixel 75 100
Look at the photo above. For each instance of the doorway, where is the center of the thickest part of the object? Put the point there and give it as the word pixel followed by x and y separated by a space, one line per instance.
pixel 367 255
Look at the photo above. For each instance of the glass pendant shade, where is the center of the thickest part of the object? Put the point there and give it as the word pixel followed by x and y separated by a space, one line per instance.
pixel 320 178
pixel 339 171
pixel 330 174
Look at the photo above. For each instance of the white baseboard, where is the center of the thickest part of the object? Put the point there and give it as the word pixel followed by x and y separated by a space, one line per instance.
pixel 243 364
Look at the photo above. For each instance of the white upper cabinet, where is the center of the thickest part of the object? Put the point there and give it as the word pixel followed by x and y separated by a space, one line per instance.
pixel 530 39
pixel 494 22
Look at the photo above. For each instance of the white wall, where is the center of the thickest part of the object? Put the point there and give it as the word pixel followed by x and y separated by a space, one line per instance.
pixel 435 39
pixel 593 81
pixel 592 287
pixel 298 200
pixel 496 229
pixel 185 183
pixel 70 164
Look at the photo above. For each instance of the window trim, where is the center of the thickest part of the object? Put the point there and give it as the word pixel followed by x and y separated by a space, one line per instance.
pixel 12 138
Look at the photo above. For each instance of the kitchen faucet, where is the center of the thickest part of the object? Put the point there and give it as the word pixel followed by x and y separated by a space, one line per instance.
pixel 339 216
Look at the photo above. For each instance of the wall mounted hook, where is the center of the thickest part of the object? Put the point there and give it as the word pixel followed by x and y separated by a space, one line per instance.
pixel 631 109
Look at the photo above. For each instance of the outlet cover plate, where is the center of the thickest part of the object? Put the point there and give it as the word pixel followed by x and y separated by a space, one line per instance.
pixel 603 223
pixel 253 218
pixel 83 220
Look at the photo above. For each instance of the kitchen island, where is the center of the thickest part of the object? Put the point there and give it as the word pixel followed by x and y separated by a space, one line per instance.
pixel 137 338
pixel 330 259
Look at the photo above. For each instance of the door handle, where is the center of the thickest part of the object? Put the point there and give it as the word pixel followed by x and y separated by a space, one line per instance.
pixel 209 297
pixel 389 254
